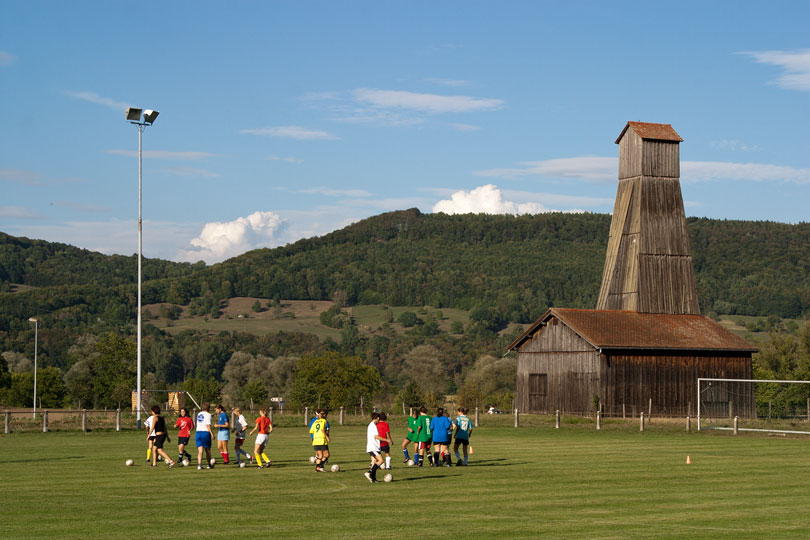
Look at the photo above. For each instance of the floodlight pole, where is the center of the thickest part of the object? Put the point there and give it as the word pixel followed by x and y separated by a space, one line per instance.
pixel 36 328
pixel 140 118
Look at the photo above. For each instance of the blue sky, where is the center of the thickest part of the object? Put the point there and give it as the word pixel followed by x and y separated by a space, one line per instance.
pixel 282 120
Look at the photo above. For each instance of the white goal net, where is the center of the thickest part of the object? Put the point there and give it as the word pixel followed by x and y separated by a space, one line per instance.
pixel 774 406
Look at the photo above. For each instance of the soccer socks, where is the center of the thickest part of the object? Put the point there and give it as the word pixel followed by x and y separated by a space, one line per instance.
pixel 436 461
pixel 266 459
pixel 405 451
pixel 258 460
pixel 387 462
pixel 373 471
pixel 148 453
pixel 224 457
pixel 458 456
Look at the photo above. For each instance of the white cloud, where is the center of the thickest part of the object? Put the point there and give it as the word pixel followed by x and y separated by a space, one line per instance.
pixel 6 58
pixel 795 67
pixel 19 176
pixel 331 192
pixel 93 97
pixel 191 171
pixel 558 200
pixel 219 241
pixel 485 200
pixel 287 159
pixel 290 132
pixel 428 103
pixel 455 83
pixel 700 171
pixel 163 154
pixel 584 167
pixel 17 212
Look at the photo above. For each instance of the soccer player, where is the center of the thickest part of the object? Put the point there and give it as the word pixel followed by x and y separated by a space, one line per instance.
pixel 223 434
pixel 204 436
pixel 161 436
pixel 423 434
pixel 265 427
pixel 440 426
pixel 410 437
pixel 239 435
pixel 386 443
pixel 185 424
pixel 150 438
pixel 463 428
pixel 319 431
pixel 373 448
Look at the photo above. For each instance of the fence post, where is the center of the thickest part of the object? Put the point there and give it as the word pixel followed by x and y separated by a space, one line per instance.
pixel 403 408
pixel 731 408
pixel 641 421
pixel 808 409
pixel 45 421
pixel 598 420
pixel 623 412
pixel 341 414
pixel 271 414
pixel 649 409
pixel 84 420
pixel 736 419
pixel 476 417
pixel 517 418
pixel 306 416
pixel 7 423
pixel 557 419
pixel 118 419
pixel 688 424
pixel 194 414
pixel 769 409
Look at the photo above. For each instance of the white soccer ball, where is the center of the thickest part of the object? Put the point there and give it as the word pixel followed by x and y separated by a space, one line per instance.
pixel 388 477
pixel 130 462
pixel 335 468
pixel 212 462
pixel 410 463
pixel 313 459
pixel 242 465
pixel 185 463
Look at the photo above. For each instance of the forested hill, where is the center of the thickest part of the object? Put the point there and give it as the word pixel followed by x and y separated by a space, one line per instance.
pixel 518 264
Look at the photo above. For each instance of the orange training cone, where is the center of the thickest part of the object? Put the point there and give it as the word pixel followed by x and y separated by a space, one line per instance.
pixel 688 460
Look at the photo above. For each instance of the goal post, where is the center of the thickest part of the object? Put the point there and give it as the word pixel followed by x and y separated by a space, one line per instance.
pixel 765 405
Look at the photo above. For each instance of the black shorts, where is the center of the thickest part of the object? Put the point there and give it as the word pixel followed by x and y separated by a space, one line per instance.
pixel 152 438
pixel 445 443
pixel 159 440
pixel 182 440
pixel 321 447
pixel 465 442
pixel 385 449
pixel 374 454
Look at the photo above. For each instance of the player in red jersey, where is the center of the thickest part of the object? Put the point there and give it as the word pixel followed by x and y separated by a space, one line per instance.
pixel 265 427
pixel 384 431
pixel 185 423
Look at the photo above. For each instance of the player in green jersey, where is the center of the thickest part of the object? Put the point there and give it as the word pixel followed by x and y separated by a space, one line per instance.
pixel 423 433
pixel 411 436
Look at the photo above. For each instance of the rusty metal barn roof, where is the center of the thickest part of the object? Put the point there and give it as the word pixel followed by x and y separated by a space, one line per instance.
pixel 650 131
pixel 632 330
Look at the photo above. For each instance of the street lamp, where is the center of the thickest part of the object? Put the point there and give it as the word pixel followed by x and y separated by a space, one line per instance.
pixel 36 328
pixel 140 118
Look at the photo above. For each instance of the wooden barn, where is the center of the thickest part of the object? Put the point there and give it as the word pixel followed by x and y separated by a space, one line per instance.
pixel 646 343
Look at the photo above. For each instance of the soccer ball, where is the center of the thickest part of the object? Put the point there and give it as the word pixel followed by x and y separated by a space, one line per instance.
pixel 313 459
pixel 388 477
pixel 410 463
pixel 185 463
pixel 129 462
pixel 212 462
pixel 242 465
pixel 335 467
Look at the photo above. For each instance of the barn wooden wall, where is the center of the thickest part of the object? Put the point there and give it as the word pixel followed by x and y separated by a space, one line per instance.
pixel 571 366
pixel 670 380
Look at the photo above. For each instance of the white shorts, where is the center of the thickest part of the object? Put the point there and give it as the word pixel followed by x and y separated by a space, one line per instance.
pixel 261 438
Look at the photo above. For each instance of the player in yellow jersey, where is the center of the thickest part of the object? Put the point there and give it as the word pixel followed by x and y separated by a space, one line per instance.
pixel 319 431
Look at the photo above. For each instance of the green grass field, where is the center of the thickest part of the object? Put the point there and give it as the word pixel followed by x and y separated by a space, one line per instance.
pixel 531 482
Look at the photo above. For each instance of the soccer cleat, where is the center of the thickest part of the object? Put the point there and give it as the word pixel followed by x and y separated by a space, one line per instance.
pixel 260 467
pixel 199 467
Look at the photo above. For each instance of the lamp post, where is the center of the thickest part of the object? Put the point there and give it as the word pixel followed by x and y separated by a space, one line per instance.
pixel 140 118
pixel 36 329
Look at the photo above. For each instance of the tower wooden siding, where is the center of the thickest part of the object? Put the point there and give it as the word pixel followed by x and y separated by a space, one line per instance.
pixel 648 266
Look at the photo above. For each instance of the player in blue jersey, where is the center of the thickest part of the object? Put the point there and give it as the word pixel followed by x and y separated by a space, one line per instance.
pixel 223 434
pixel 440 427
pixel 463 428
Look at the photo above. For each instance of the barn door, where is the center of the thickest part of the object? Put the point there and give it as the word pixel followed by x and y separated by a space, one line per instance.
pixel 538 388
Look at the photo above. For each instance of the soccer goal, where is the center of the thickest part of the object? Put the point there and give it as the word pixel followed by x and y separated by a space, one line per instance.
pixel 774 406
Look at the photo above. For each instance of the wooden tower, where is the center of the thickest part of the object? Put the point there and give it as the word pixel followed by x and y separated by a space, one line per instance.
pixel 648 267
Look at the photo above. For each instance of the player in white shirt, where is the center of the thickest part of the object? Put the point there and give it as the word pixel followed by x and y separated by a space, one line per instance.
pixel 373 448
pixel 239 435
pixel 150 437
pixel 204 436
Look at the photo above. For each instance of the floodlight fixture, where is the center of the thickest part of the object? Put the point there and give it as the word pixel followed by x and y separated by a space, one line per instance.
pixel 149 116
pixel 134 114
